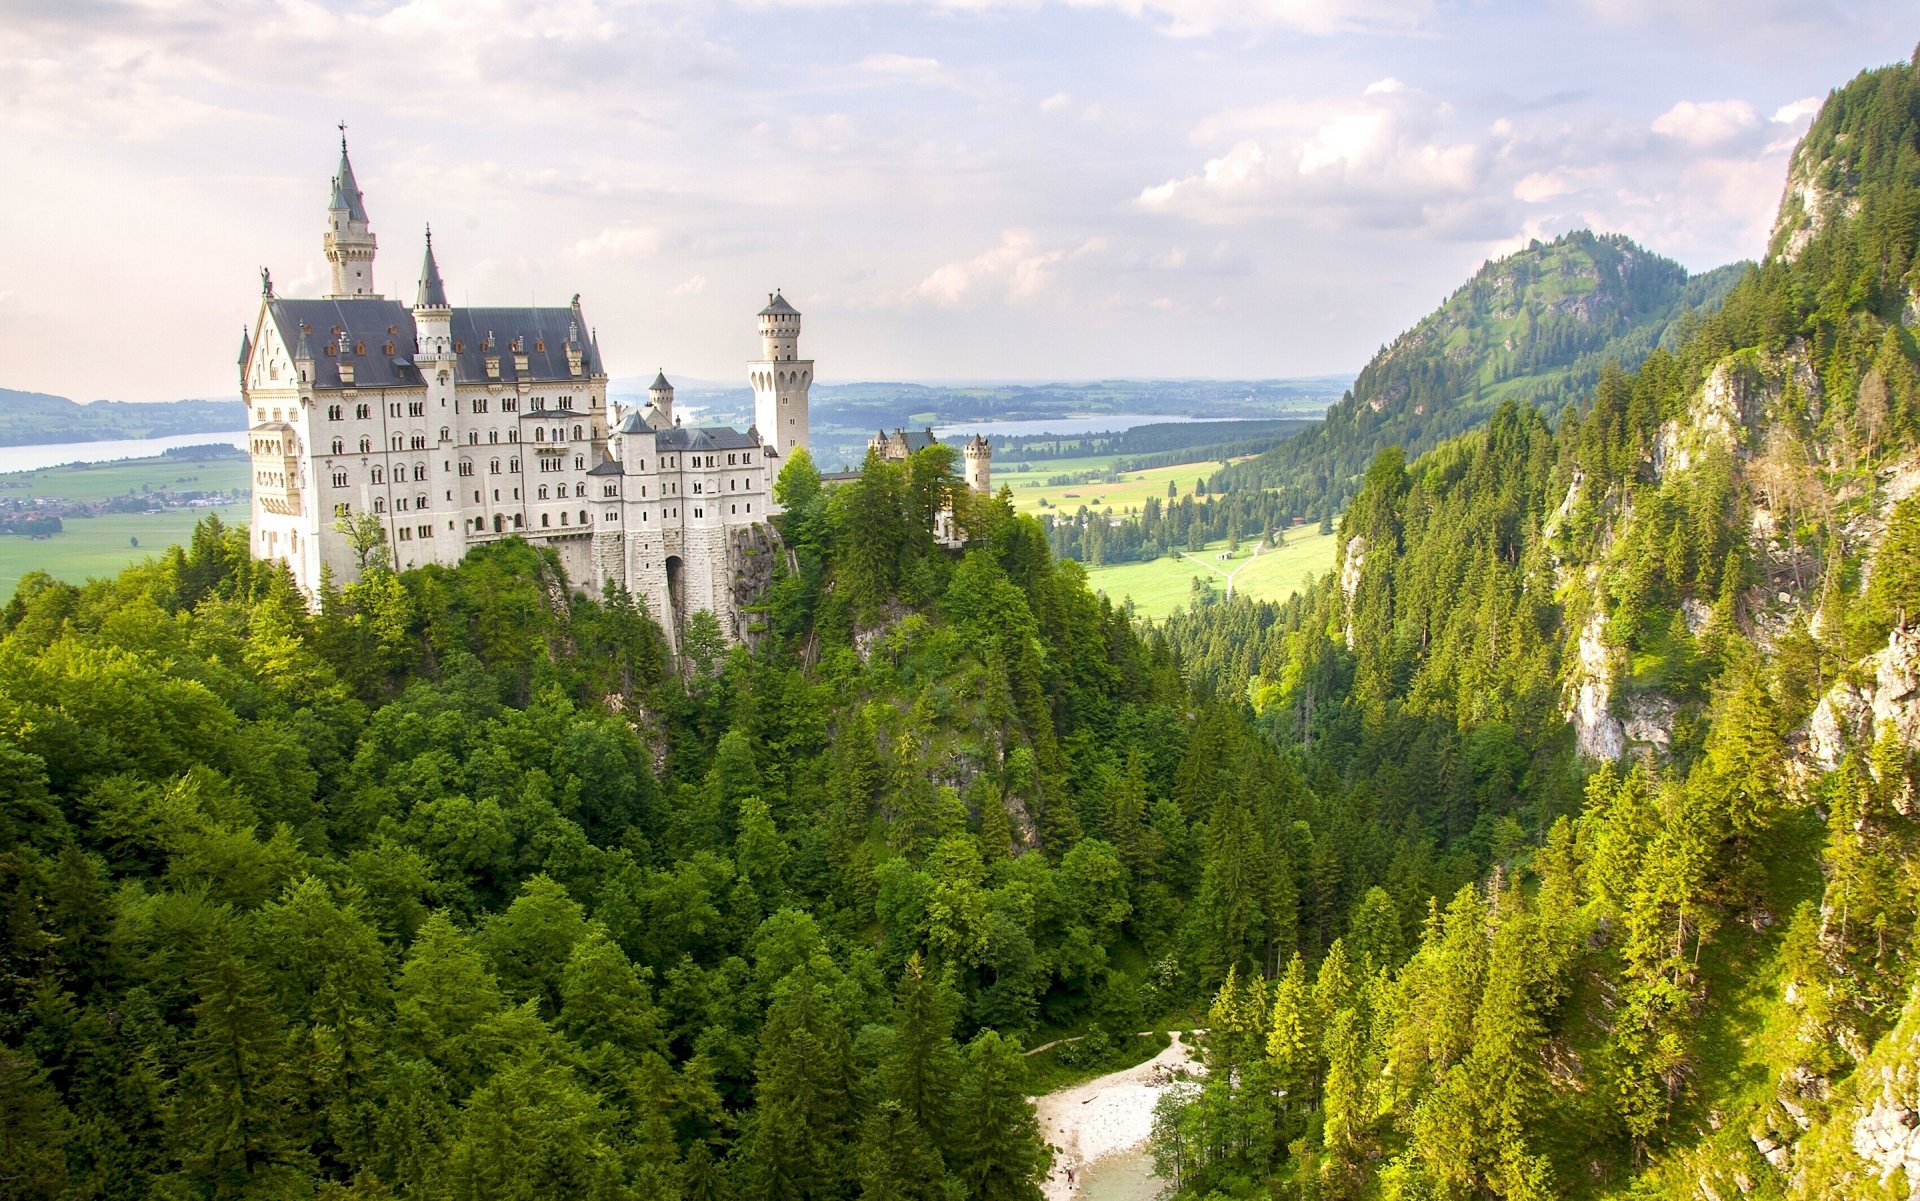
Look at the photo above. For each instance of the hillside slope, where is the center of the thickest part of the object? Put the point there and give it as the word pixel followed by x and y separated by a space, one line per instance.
pixel 1656 667
pixel 1536 327
pixel 33 418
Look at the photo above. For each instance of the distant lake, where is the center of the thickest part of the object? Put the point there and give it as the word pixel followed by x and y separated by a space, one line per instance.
pixel 1104 423
pixel 33 458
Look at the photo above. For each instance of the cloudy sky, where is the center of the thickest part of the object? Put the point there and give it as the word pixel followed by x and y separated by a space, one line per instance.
pixel 948 189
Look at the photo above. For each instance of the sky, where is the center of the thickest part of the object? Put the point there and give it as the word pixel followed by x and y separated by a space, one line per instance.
pixel 947 189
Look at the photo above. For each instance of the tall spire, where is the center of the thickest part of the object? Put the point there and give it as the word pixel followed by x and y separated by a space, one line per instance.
pixel 346 191
pixel 433 293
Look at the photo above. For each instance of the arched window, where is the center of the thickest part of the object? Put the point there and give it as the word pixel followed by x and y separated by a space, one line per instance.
pixel 473 437
pixel 576 433
pixel 366 445
pixel 579 462
pixel 583 517
pixel 543 492
pixel 420 501
pixel 399 442
pixel 339 445
pixel 419 471
pixel 446 435
pixel 379 504
pixel 544 523
pixel 379 475
pixel 539 434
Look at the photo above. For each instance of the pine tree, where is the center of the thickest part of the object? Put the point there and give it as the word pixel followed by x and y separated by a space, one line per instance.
pixel 998 1150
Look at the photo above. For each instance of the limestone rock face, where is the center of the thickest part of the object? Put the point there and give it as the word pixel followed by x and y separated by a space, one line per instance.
pixel 1597 732
pixel 751 551
pixel 1848 717
pixel 1351 561
pixel 1888 1137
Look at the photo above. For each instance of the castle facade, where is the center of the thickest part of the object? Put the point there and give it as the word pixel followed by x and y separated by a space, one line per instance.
pixel 454 426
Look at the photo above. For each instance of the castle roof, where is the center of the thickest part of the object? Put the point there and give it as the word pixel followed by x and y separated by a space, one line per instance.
pixel 371 324
pixel 246 346
pixel 712 437
pixel 660 383
pixel 346 191
pixel 635 422
pixel 605 467
pixel 777 306
pixel 433 293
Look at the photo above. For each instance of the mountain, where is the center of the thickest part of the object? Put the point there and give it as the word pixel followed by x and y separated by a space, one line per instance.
pixel 1652 667
pixel 1536 326
pixel 34 418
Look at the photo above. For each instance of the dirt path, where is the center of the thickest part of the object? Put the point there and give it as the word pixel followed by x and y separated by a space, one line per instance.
pixel 1105 1115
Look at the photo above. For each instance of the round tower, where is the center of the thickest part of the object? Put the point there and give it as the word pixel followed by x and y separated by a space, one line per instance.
pixel 660 397
pixel 781 378
pixel 349 243
pixel 979 464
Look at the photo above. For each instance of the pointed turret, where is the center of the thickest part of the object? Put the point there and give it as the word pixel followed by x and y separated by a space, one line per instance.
pixel 246 353
pixel 349 242
pixel 346 190
pixel 433 293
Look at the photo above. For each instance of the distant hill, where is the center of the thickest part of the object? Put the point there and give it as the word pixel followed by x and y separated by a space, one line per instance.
pixel 35 418
pixel 1536 326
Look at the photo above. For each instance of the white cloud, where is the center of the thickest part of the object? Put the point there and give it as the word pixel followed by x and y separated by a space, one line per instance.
pixel 1055 102
pixel 1798 111
pixel 1389 156
pixel 692 286
pixel 619 242
pixel 1705 123
pixel 1017 269
pixel 891 63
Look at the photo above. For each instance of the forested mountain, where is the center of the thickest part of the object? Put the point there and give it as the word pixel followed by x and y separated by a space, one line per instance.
pixel 1536 327
pixel 1653 666
pixel 30 418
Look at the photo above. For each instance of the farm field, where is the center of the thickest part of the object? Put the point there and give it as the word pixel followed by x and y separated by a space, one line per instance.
pixel 74 482
pixel 101 546
pixel 1160 586
pixel 1030 487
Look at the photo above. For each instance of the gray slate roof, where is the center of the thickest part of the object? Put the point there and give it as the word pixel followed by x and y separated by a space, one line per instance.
pixel 346 192
pixel 433 293
pixel 367 321
pixel 660 383
pixel 777 305
pixel 714 437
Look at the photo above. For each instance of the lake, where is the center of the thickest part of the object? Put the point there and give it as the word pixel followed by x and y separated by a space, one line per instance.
pixel 1104 423
pixel 33 458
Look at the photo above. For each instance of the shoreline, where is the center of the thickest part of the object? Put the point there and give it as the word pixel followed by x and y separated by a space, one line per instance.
pixel 1108 1115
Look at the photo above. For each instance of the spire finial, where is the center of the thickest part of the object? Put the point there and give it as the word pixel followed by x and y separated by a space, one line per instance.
pixel 429 235
pixel 343 136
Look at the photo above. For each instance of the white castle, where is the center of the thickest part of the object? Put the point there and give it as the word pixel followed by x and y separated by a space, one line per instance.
pixel 459 426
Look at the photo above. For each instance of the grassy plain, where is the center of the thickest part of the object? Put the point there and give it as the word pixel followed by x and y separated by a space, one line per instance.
pixel 1030 486
pixel 89 547
pixel 1159 586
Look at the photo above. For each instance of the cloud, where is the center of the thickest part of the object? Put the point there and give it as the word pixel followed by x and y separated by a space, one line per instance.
pixel 619 242
pixel 692 286
pixel 890 63
pixel 1388 157
pixel 1016 269
pixel 1798 111
pixel 1705 123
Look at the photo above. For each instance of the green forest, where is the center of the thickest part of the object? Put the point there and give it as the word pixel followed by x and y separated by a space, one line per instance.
pixel 1514 859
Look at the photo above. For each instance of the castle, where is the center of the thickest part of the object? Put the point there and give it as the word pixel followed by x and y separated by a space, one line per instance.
pixel 453 427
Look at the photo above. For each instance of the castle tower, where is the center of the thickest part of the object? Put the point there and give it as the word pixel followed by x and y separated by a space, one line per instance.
pixel 781 379
pixel 349 241
pixel 979 465
pixel 432 315
pixel 660 401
